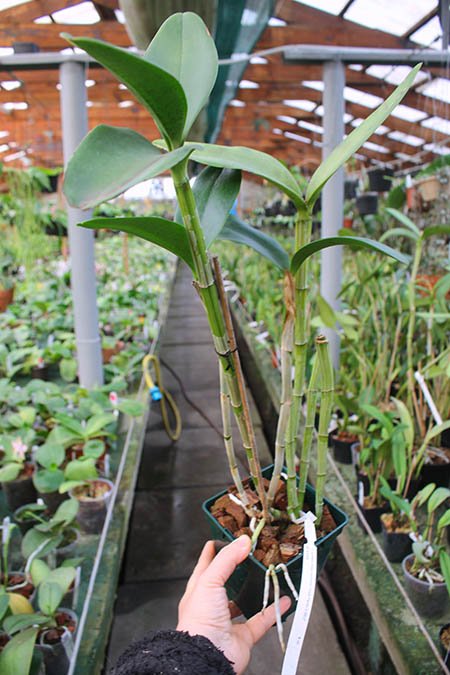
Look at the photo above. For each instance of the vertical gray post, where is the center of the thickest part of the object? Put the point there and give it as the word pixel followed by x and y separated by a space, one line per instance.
pixel 81 241
pixel 333 192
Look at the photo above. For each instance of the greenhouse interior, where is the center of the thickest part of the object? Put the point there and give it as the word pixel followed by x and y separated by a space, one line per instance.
pixel 224 352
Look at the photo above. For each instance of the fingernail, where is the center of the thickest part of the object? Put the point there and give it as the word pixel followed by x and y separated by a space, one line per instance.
pixel 244 541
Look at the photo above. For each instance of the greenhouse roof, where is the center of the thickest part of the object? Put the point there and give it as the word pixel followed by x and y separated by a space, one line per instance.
pixel 266 102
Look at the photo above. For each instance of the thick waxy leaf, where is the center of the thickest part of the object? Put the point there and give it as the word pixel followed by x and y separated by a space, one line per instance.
pixel 407 421
pixel 354 141
pixel 444 563
pixel 398 232
pixel 253 161
pixel 19 622
pixel 184 48
pixel 39 571
pixel 17 655
pixel 165 233
pixel 50 595
pixel 66 512
pixel 157 90
pixel 63 576
pixel 48 480
pixel 241 233
pixel 50 454
pixel 424 493
pixel 109 160
pixel 215 191
pixel 354 242
pixel 436 431
pixel 404 220
pixel 9 472
pixel 438 497
pixel 434 230
pixel 444 520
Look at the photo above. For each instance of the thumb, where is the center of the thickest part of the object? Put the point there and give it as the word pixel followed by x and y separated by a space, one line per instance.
pixel 226 561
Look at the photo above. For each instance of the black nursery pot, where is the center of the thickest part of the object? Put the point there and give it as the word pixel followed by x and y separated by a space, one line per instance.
pixel 396 545
pixel 246 585
pixel 19 492
pixel 350 187
pixel 435 473
pixel 380 180
pixel 367 204
pixel 373 517
pixel 342 450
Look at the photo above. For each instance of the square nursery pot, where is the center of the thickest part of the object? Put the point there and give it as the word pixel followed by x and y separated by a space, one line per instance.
pixel 396 545
pixel 380 180
pixel 367 203
pixel 431 601
pixel 246 585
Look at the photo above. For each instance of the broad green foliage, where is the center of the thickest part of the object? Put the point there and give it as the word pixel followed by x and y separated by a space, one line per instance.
pixel 239 232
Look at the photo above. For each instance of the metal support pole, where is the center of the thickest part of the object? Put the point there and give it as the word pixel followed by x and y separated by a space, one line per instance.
pixel 333 192
pixel 81 241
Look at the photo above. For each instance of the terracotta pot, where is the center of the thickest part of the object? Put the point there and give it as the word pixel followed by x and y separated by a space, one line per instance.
pixel 429 188
pixel 6 297
pixel 348 223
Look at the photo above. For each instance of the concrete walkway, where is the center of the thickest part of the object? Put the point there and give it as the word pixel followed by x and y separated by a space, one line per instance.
pixel 167 529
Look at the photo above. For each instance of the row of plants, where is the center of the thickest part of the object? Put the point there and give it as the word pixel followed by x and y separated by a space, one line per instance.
pixel 59 446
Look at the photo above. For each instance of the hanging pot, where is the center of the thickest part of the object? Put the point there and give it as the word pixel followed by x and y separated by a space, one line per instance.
pixel 246 585
pixel 6 297
pixel 20 491
pixel 429 188
pixel 430 600
pixel 367 203
pixel 350 187
pixel 92 510
pixel 396 545
pixel 380 180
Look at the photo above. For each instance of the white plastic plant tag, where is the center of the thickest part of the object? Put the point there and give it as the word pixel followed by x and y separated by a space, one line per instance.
pixel 262 337
pixel 361 493
pixel 428 398
pixel 305 600
pixel 107 465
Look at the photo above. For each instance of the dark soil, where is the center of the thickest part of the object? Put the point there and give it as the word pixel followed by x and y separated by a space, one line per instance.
pixel 27 471
pixel 93 490
pixel 53 635
pixel 345 437
pixel 278 542
pixel 444 637
pixel 26 590
pixel 398 525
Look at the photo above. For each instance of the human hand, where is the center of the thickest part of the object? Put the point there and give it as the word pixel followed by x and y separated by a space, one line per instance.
pixel 204 608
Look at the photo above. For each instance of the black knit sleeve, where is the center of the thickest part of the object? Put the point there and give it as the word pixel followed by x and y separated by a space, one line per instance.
pixel 173 652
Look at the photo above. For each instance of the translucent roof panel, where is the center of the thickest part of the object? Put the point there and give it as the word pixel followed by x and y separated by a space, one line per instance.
pixel 302 104
pixel 394 74
pixel 439 88
pixel 428 33
pixel 82 14
pixel 311 127
pixel 375 147
pixel 391 17
pixel 297 137
pixel 361 97
pixel 404 112
pixel 7 4
pixel 287 119
pixel 438 124
pixel 439 149
pixel 330 6
pixel 347 117
pixel 381 130
pixel 409 139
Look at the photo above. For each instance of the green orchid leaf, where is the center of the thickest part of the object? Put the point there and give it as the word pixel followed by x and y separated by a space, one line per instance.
pixel 444 520
pixel 66 512
pixel 436 431
pixel 39 571
pixel 94 449
pixel 407 421
pixel 326 312
pixel 50 454
pixel 10 472
pixel 404 220
pixel 444 563
pixel 165 233
pixel 424 494
pixel 50 595
pixel 109 160
pixel 157 90
pixel 20 622
pixel 253 161
pixel 398 232
pixel 71 424
pixel 434 230
pixel 437 498
pixel 238 231
pixel 34 539
pixel 80 470
pixel 48 480
pixel 354 242
pixel 97 424
pixel 4 604
pixel 355 140
pixel 131 407
pixel 215 191
pixel 63 576
pixel 184 48
pixel 16 657
pixel 68 369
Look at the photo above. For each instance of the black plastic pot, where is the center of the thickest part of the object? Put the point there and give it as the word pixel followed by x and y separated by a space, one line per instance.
pixel 445 439
pixel 342 450
pixel 367 204
pixel 373 517
pixel 350 187
pixel 92 511
pixel 396 545
pixel 19 492
pixel 431 601
pixel 246 585
pixel 53 499
pixel 361 478
pixel 57 656
pixel 435 473
pixel 380 180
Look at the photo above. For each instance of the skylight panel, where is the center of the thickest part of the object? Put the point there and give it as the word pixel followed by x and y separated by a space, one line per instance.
pixel 236 103
pixel 10 85
pixel 302 104
pixel 277 131
pixel 274 21
pixel 43 20
pixel 394 74
pixel 6 51
pixel 4 147
pixel 311 127
pixel 406 138
pixel 439 88
pixel 391 17
pixel 3 134
pixel 248 84
pixel 249 17
pixel 438 149
pixel 331 6
pixel 314 84
pixel 404 112
pixel 428 33
pixel 82 14
pixel 375 147
pixel 258 61
pixel 7 4
pixel 14 105
pixel 15 155
pixel 120 16
pixel 287 118
pixel 361 97
pixel 297 137
pixel 438 124
pixel 126 104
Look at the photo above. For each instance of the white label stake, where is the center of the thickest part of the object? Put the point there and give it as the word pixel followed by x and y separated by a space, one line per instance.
pixel 305 601
pixel 426 392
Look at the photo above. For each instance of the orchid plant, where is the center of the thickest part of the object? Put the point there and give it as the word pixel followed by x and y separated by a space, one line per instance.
pixel 173 80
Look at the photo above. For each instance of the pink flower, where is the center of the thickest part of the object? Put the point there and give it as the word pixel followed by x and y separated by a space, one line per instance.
pixel 19 449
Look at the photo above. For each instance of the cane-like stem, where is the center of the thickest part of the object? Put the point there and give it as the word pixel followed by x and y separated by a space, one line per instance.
pixel 303 228
pixel 228 437
pixel 412 398
pixel 287 339
pixel 326 408
pixel 311 401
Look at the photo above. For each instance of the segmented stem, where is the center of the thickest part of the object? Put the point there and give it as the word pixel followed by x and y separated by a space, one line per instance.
pixel 326 408
pixel 228 437
pixel 311 401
